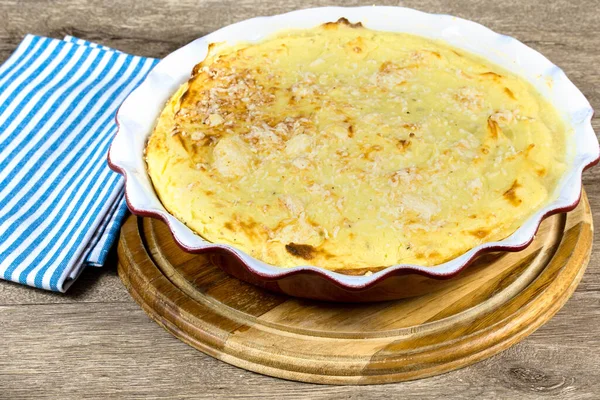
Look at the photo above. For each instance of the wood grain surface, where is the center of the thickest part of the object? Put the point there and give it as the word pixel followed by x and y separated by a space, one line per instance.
pixel 96 342
pixel 499 300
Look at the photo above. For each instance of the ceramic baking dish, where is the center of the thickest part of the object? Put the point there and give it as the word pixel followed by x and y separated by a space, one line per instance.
pixel 138 113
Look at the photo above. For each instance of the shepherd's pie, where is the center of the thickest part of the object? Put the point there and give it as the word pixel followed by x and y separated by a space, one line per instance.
pixel 353 149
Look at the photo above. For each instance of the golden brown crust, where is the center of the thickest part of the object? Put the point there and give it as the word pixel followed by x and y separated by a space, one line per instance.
pixel 352 150
pixel 342 21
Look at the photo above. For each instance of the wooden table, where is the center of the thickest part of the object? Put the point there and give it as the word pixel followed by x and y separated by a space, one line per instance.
pixel 96 342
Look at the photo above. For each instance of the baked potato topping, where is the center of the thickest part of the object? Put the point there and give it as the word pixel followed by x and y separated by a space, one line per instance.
pixel 353 149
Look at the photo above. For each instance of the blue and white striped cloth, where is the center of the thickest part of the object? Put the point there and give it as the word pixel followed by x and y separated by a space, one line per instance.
pixel 60 204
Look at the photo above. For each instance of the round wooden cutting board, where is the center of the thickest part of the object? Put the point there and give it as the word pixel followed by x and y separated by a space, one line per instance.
pixel 485 309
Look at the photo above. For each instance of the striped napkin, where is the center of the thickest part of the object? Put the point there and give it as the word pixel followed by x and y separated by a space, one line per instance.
pixel 60 204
